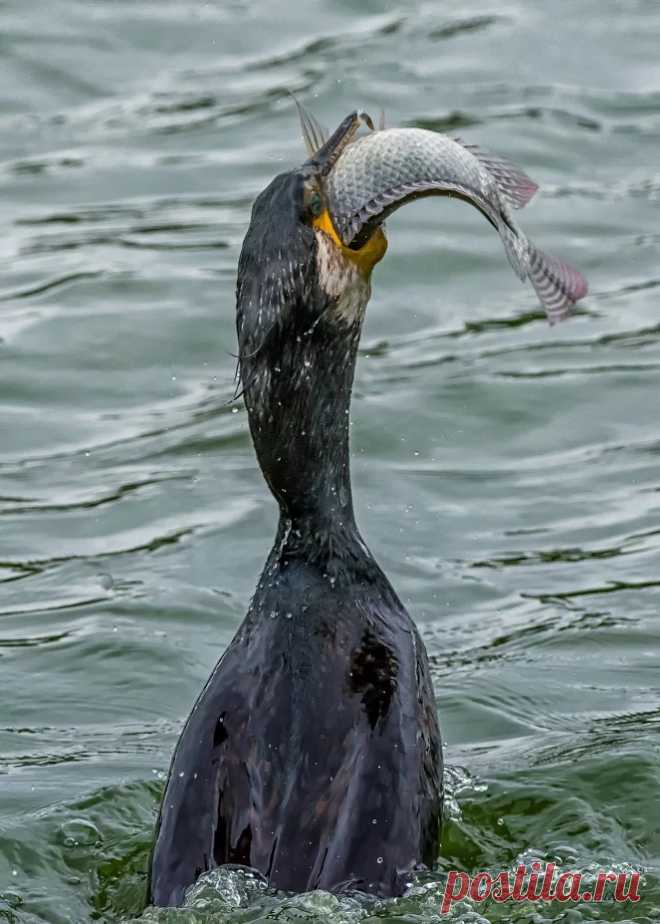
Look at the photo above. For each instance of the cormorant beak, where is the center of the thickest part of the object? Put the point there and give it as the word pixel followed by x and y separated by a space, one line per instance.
pixel 324 159
pixel 325 153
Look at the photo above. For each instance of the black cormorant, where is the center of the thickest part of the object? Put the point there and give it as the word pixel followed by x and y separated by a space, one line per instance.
pixel 313 753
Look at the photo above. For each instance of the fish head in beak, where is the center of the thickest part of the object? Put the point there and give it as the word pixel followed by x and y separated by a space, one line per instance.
pixel 316 174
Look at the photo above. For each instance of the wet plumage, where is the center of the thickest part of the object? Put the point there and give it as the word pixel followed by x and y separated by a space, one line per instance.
pixel 313 753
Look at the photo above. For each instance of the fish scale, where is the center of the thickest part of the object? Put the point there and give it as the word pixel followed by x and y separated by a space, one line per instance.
pixel 380 165
pixel 379 172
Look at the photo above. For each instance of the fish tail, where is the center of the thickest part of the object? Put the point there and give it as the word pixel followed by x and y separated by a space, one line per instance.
pixel 557 284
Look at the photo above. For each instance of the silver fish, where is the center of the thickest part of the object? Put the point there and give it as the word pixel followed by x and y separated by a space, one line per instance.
pixel 376 174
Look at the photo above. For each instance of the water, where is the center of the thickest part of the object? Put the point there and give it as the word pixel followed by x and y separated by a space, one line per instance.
pixel 506 474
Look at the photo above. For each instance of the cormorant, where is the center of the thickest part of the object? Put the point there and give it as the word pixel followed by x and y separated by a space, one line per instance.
pixel 313 753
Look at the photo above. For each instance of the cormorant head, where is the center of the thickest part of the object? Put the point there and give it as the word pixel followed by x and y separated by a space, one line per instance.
pixel 324 155
pixel 294 267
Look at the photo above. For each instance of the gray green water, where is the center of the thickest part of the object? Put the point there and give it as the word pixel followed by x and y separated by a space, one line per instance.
pixel 506 474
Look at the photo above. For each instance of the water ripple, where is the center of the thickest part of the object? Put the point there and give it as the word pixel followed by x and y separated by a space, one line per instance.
pixel 506 474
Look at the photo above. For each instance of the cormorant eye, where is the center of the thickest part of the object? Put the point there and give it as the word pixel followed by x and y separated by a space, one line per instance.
pixel 315 204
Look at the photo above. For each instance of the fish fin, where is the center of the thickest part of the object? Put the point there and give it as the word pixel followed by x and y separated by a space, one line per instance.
pixel 314 135
pixel 558 285
pixel 514 184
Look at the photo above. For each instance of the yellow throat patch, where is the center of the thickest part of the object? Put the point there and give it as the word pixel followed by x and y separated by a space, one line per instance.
pixel 367 256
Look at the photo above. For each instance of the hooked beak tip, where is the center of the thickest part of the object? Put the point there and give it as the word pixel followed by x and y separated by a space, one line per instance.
pixel 327 156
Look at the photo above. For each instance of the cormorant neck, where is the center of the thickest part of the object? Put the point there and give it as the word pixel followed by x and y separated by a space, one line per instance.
pixel 299 413
pixel 300 305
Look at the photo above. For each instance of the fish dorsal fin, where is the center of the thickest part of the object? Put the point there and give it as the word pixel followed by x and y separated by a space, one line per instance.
pixel 314 135
pixel 514 184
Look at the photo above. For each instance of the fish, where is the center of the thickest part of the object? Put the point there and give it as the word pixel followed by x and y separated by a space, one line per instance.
pixel 377 173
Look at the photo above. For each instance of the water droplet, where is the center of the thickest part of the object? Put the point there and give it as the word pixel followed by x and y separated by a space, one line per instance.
pixel 181 774
pixel 500 821
pixel 374 821
pixel 106 580
pixel 234 410
pixel 288 615
pixel 379 859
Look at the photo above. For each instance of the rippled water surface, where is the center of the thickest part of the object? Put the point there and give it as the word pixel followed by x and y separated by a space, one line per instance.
pixel 506 473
